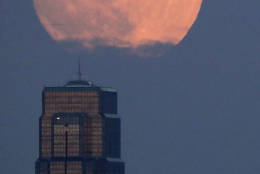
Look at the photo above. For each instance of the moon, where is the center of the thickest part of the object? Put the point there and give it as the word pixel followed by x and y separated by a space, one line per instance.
pixel 121 23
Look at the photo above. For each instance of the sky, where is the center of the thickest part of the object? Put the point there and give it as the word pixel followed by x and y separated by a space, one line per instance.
pixel 193 109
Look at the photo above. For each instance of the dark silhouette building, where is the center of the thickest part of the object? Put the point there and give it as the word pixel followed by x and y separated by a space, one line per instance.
pixel 79 130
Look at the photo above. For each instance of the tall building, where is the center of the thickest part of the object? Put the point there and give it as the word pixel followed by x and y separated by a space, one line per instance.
pixel 79 130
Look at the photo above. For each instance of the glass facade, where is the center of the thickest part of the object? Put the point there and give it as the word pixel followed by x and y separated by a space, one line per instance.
pixel 66 135
pixel 79 131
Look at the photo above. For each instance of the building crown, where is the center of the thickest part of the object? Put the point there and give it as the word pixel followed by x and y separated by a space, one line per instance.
pixel 80 82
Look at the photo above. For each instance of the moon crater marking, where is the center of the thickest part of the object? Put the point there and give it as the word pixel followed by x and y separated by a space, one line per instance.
pixel 122 23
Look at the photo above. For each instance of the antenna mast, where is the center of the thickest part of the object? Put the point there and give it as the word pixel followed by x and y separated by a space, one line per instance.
pixel 79 70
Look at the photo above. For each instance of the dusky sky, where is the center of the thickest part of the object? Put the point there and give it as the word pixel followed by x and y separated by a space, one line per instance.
pixel 194 109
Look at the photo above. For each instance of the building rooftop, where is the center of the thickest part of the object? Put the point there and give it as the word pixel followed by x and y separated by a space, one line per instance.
pixel 79 83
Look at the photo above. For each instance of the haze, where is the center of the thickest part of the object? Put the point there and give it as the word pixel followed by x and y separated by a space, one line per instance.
pixel 193 110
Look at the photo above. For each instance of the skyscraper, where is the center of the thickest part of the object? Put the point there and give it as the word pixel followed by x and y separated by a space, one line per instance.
pixel 79 130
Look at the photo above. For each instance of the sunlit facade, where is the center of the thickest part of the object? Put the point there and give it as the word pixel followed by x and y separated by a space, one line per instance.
pixel 79 130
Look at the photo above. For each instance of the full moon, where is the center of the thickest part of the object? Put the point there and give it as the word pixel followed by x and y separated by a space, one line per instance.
pixel 121 23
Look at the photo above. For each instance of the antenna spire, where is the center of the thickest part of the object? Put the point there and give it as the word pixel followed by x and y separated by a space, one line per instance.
pixel 79 70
